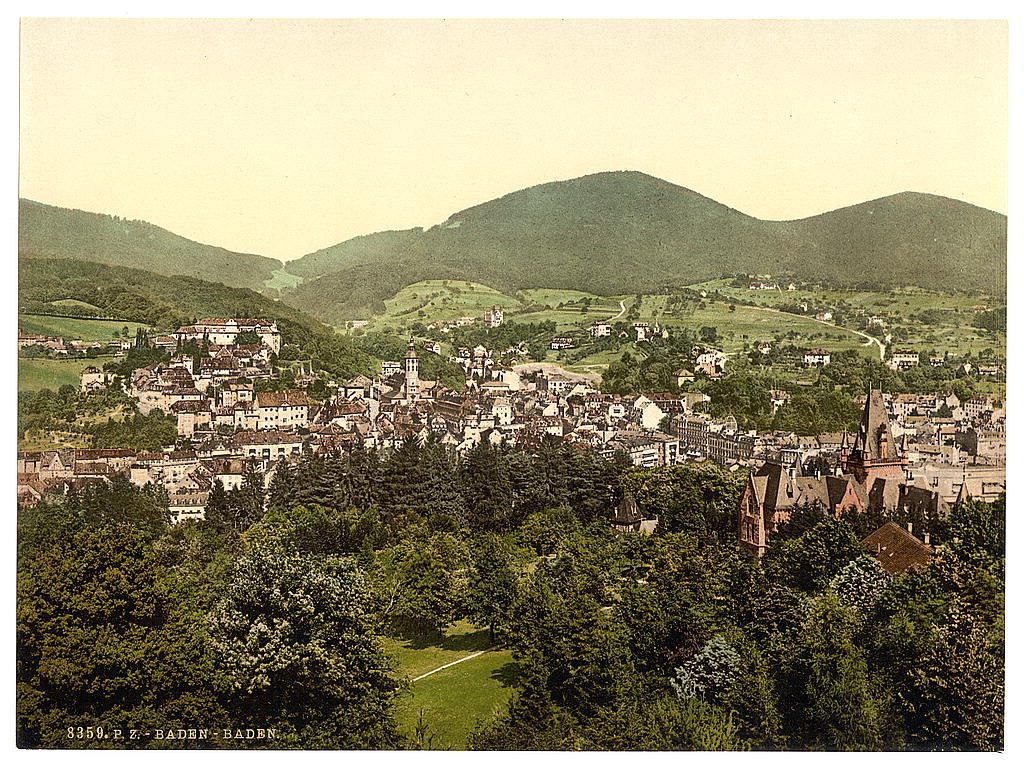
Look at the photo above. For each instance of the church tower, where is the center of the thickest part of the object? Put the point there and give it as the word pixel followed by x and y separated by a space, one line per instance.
pixel 874 454
pixel 412 374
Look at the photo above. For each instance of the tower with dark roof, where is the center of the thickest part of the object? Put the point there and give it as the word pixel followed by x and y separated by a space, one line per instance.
pixel 874 454
pixel 412 374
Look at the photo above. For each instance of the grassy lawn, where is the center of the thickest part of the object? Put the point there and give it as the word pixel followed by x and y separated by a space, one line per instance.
pixel 440 301
pixel 281 279
pixel 453 700
pixel 36 440
pixel 35 374
pixel 73 329
pixel 954 334
pixel 70 304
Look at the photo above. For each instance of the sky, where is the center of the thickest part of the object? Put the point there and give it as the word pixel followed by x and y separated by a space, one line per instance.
pixel 284 137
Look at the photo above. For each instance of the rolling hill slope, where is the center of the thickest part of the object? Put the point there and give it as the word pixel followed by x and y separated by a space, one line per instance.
pixel 54 232
pixel 164 302
pixel 625 232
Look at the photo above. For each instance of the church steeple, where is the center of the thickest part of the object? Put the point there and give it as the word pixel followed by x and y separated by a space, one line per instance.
pixel 874 453
pixel 412 373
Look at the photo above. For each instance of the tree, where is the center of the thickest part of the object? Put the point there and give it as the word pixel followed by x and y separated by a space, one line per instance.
pixel 829 699
pixel 281 491
pixel 248 499
pixel 432 580
pixel 809 562
pixel 102 641
pixel 958 688
pixel 493 583
pixel 710 672
pixel 295 640
pixel 860 583
pixel 698 499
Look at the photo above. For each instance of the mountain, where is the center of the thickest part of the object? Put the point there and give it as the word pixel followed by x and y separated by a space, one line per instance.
pixel 50 231
pixel 164 302
pixel 626 232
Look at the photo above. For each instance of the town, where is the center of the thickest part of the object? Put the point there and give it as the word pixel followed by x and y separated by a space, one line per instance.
pixel 913 454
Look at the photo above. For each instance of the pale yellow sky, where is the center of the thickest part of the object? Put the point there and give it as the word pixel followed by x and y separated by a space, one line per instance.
pixel 283 137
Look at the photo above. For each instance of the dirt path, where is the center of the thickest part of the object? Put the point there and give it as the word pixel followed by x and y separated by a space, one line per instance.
pixel 456 662
pixel 622 306
pixel 868 339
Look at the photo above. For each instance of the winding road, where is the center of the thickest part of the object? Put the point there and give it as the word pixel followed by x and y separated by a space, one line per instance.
pixel 622 306
pixel 869 340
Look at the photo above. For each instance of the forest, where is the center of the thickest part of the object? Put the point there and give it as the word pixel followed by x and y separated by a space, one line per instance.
pixel 270 612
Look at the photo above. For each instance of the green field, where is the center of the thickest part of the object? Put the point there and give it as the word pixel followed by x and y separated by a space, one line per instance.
pixel 73 329
pixel 952 333
pixel 440 301
pixel 741 319
pixel 281 279
pixel 71 304
pixel 455 699
pixel 35 374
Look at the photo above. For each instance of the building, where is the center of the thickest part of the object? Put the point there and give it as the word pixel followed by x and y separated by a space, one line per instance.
pixel 562 342
pixel 897 549
pixel 493 316
pixel 282 409
pixel 629 519
pixel 817 357
pixel 94 379
pixel 772 493
pixel 600 330
pixel 874 454
pixel 267 444
pixel 412 373
pixel 683 376
pixel 225 332
pixel 903 359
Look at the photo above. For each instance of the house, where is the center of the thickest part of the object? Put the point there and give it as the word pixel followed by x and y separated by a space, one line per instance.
pixel 493 316
pixel 629 519
pixel 600 330
pixel 267 444
pixel 225 332
pixel 683 376
pixel 903 359
pixel 897 549
pixel 167 468
pixel 711 364
pixel 817 357
pixel 358 387
pixel 562 342
pixel 192 414
pixel 389 368
pixel 823 316
pixel 282 409
pixel 94 379
pixel 772 493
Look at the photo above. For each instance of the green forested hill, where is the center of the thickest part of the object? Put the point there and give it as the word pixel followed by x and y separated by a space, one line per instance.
pixel 50 231
pixel 625 232
pixel 164 302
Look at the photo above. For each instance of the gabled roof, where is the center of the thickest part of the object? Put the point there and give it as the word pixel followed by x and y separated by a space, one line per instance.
pixel 287 398
pixel 627 512
pixel 896 548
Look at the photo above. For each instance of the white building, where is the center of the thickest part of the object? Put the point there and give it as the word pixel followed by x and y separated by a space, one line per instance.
pixel 902 360
pixel 224 332
pixel 817 357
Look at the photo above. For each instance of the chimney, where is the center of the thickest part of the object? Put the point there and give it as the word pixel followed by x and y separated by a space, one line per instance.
pixel 910 527
pixel 927 538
